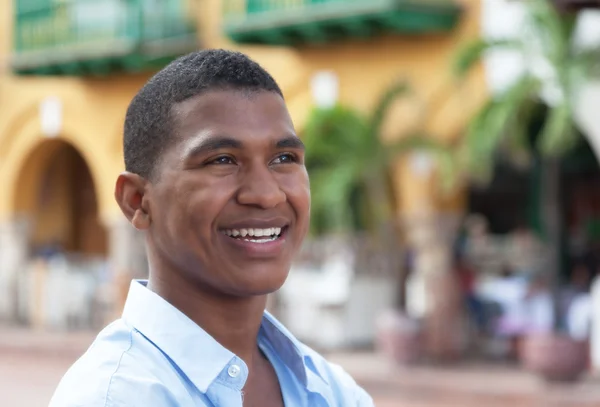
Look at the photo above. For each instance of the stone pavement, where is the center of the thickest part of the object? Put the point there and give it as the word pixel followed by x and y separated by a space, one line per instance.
pixel 466 385
pixel 31 364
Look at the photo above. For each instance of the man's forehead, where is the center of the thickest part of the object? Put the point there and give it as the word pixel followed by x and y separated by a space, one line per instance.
pixel 227 113
pixel 223 100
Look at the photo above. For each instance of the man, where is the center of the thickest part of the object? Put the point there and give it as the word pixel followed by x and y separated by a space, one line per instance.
pixel 215 178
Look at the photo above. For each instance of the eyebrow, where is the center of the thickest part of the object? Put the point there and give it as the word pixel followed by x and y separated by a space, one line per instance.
pixel 216 143
pixel 292 142
pixel 213 143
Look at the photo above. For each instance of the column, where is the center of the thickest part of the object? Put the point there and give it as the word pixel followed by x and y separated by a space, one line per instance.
pixel 433 292
pixel 14 248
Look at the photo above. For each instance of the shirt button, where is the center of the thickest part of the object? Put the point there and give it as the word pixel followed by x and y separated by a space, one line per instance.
pixel 233 371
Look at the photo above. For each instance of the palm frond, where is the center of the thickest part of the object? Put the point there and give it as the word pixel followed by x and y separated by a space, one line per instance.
pixel 473 52
pixel 517 144
pixel 399 89
pixel 553 29
pixel 558 134
pixel 586 63
pixel 329 130
pixel 330 195
pixel 475 153
pixel 489 127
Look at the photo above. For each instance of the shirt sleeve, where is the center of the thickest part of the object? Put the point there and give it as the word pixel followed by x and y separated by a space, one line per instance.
pixel 356 395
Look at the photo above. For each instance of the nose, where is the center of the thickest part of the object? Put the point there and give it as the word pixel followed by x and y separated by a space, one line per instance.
pixel 261 189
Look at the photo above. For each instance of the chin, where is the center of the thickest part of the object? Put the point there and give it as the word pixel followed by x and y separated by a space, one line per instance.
pixel 261 283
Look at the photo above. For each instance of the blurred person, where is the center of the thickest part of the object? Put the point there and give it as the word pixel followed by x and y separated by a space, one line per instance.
pixel 539 309
pixel 480 247
pixel 525 251
pixel 473 304
pixel 575 301
pixel 215 177
pixel 49 250
pixel 579 317
pixel 508 292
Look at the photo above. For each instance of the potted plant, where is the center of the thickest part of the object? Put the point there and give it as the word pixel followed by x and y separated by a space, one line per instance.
pixel 504 124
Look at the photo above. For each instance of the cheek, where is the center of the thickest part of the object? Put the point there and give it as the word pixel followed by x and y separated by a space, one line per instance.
pixel 176 208
pixel 203 203
pixel 298 193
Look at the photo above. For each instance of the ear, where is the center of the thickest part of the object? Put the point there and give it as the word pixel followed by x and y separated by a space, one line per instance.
pixel 130 192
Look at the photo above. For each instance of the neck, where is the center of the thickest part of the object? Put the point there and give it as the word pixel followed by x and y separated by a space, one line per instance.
pixel 234 322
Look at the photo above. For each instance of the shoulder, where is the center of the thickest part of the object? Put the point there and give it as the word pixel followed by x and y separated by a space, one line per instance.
pixel 117 370
pixel 334 380
pixel 342 384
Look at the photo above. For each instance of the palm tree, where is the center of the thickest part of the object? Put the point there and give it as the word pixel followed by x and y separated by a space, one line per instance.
pixel 503 123
pixel 350 168
pixel 350 165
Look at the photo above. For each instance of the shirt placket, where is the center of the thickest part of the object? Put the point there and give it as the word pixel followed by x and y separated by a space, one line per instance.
pixel 226 390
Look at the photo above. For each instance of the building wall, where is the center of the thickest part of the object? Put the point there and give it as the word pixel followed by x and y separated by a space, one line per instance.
pixel 365 68
pixel 93 109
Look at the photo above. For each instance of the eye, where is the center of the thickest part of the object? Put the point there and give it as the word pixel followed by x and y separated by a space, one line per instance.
pixel 286 158
pixel 223 160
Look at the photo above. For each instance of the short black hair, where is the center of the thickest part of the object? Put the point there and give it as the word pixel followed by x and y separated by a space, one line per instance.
pixel 149 122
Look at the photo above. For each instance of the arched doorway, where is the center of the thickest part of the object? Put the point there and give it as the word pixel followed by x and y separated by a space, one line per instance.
pixel 66 210
pixel 67 243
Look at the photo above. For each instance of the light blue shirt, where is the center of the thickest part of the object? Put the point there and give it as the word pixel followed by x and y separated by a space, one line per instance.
pixel 155 356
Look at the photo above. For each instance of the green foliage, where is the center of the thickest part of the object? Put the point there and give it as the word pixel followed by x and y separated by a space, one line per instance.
pixel 502 123
pixel 471 53
pixel 350 165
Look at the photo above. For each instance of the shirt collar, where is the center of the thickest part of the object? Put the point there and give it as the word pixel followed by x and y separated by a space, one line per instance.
pixel 184 342
pixel 177 336
pixel 290 350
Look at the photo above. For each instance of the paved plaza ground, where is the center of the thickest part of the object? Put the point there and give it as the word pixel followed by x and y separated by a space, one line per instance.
pixel 31 365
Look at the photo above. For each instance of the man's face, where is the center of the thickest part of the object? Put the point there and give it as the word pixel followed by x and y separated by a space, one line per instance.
pixel 230 204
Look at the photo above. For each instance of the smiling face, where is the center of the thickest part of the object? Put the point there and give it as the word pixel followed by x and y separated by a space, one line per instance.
pixel 230 204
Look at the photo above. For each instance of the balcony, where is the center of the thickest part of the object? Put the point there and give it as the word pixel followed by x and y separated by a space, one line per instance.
pixel 96 37
pixel 290 22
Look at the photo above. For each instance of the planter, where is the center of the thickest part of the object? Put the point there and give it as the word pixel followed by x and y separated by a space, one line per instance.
pixel 555 357
pixel 399 337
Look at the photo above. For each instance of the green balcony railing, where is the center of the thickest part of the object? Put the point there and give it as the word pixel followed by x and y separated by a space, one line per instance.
pixel 97 36
pixel 293 21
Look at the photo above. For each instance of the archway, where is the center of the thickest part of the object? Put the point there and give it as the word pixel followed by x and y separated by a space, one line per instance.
pixel 67 244
pixel 65 210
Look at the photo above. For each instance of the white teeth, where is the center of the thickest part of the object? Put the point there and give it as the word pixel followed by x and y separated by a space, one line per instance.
pixel 253 232
pixel 270 239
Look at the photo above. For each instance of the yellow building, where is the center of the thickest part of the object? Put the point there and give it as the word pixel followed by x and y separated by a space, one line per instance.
pixel 70 68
